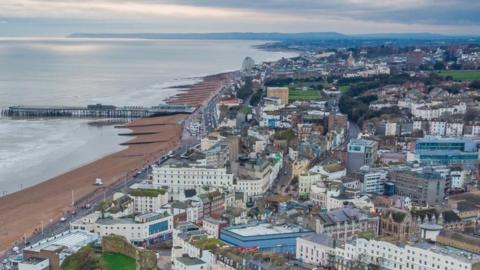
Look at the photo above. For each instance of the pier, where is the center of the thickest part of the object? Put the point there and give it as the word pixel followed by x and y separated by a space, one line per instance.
pixel 97 111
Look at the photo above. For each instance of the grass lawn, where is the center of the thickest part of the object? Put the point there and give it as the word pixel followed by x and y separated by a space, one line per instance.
pixel 68 266
pixel 461 75
pixel 114 261
pixel 298 94
pixel 344 88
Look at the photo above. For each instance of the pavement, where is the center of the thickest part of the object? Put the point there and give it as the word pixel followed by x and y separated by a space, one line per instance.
pixel 283 180
pixel 353 131
pixel 53 228
pixel 164 259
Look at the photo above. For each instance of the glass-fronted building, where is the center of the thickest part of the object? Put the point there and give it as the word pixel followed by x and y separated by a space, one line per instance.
pixel 455 150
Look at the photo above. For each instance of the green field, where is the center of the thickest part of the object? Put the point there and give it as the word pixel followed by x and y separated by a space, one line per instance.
pixel 301 95
pixel 344 88
pixel 461 75
pixel 114 261
pixel 88 258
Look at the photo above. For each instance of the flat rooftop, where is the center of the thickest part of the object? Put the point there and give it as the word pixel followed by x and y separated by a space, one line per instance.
pixel 73 240
pixel 264 229
pixel 438 139
pixel 189 261
pixel 34 260
pixel 113 221
pixel 458 254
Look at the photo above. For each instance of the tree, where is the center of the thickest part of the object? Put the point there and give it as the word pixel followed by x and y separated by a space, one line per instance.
pixel 246 90
pixel 368 99
pixel 102 207
pixel 470 115
pixel 456 66
pixel 439 66
pixel 256 98
pixel 84 259
pixel 475 85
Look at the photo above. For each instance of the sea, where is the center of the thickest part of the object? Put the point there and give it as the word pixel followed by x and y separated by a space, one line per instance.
pixel 67 71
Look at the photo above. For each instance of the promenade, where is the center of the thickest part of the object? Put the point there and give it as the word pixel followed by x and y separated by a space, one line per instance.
pixel 23 213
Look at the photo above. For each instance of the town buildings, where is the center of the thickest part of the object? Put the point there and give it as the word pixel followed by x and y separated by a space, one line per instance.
pixel 345 223
pixel 316 249
pixel 279 92
pixel 148 200
pixel 424 188
pixel 360 153
pixel 372 179
pixel 265 236
pixel 52 251
pixel 181 175
pixel 423 255
pixel 452 150
pixel 146 228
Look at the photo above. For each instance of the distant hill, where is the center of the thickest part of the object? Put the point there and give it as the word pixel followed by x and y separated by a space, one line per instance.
pixel 422 36
pixel 274 36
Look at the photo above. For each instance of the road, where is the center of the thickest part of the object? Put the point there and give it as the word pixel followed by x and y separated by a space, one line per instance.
pixel 56 227
pixel 280 183
pixel 353 131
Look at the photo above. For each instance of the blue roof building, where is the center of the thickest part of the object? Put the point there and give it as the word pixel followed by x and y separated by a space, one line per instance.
pixel 265 236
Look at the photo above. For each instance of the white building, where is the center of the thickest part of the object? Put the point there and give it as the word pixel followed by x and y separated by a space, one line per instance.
pixel 151 226
pixel 255 178
pixel 458 178
pixel 213 226
pixel 437 128
pixel 50 252
pixel 391 129
pixel 345 223
pixel 430 111
pixel 418 125
pixel 454 129
pixel 331 171
pixel 270 120
pixel 445 128
pixel 420 256
pixel 192 248
pixel 316 249
pixel 148 200
pixel 182 176
pixel 321 194
pixel 194 210
pixel 305 181
pixel 189 263
pixel 372 179
pixel 210 140
pixel 475 130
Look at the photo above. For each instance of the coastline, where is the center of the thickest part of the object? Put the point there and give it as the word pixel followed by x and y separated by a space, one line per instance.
pixel 24 212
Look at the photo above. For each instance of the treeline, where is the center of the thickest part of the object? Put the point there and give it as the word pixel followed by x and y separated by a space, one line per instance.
pixel 256 98
pixel 287 81
pixel 356 106
pixel 246 90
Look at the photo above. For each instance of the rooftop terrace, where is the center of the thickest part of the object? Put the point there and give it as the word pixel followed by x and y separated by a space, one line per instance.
pixel 264 229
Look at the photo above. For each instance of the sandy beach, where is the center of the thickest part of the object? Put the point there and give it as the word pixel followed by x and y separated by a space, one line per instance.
pixel 23 212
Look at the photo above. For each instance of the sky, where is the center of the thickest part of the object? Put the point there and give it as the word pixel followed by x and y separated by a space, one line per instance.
pixel 61 17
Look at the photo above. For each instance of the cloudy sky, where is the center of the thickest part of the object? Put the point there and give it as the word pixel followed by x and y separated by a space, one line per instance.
pixel 61 17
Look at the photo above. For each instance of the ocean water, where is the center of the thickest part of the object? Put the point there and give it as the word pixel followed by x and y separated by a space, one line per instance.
pixel 86 71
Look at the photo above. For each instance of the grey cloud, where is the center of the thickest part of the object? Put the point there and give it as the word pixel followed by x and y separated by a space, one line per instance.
pixel 446 12
pixel 347 16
